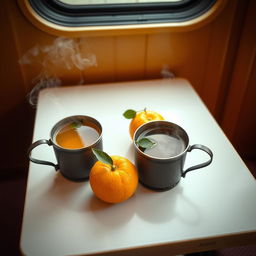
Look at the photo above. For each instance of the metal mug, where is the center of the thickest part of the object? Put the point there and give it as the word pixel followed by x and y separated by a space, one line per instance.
pixel 74 164
pixel 164 173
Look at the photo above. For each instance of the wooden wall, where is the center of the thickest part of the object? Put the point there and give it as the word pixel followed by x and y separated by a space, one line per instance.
pixel 239 118
pixel 205 56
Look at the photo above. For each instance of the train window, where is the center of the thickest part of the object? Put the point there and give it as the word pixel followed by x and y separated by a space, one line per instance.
pixel 111 14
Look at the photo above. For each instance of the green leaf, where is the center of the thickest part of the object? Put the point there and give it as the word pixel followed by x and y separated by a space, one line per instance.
pixel 129 114
pixel 146 143
pixel 102 156
pixel 76 124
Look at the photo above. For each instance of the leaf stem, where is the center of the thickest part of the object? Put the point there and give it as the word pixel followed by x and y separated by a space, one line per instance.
pixel 113 167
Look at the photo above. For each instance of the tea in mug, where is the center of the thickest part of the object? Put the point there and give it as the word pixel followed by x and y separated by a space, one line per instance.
pixel 77 134
pixel 165 145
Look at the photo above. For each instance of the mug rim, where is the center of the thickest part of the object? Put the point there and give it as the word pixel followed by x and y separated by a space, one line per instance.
pixel 150 123
pixel 95 121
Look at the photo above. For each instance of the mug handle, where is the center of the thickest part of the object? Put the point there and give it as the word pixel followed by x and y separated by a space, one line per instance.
pixel 37 161
pixel 203 148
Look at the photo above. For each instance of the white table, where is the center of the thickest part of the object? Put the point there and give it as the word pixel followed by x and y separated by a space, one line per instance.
pixel 211 208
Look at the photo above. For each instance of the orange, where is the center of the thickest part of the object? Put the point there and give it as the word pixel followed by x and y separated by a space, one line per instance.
pixel 114 183
pixel 142 118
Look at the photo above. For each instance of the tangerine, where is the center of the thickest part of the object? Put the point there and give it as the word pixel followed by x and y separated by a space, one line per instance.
pixel 116 182
pixel 141 118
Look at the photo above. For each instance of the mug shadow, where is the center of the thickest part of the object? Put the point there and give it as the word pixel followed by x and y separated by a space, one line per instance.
pixel 63 191
pixel 191 215
pixel 155 206
pixel 160 207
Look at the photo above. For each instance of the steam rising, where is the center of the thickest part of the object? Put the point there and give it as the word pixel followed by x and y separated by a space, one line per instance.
pixel 43 80
pixel 64 53
pixel 166 73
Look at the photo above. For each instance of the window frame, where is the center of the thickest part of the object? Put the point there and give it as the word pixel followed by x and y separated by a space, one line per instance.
pixel 127 18
pixel 64 14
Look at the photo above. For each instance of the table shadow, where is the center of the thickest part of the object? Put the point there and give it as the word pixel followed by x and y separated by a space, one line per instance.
pixel 64 191
pixel 78 196
pixel 110 214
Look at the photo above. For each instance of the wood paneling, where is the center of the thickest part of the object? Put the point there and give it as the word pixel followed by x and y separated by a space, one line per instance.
pixel 12 85
pixel 221 54
pixel 103 49
pixel 131 65
pixel 244 137
pixel 239 119
pixel 183 54
pixel 198 55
